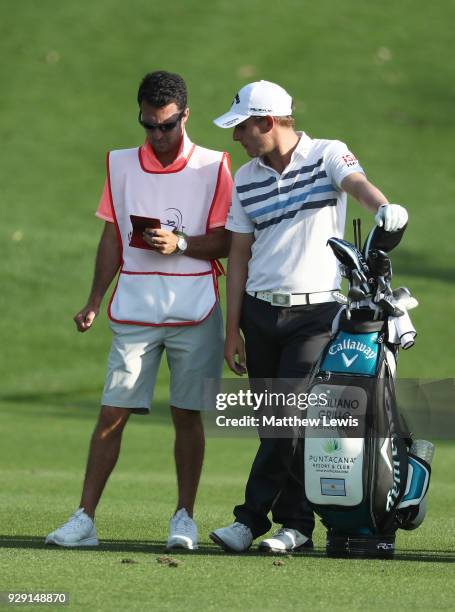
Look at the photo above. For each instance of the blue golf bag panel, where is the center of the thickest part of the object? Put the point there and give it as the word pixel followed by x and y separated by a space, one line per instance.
pixel 356 466
pixel 352 354
pixel 417 482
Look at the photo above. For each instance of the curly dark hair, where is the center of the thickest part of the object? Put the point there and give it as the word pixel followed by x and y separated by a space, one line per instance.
pixel 160 88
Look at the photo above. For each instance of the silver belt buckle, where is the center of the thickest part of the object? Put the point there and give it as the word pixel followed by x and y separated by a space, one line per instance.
pixel 281 299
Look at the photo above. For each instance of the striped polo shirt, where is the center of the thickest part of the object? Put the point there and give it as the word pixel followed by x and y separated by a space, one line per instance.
pixel 292 216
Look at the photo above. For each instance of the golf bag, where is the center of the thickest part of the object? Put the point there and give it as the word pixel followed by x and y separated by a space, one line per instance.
pixel 364 476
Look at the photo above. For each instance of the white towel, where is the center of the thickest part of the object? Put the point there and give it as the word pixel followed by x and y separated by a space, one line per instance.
pixel 401 331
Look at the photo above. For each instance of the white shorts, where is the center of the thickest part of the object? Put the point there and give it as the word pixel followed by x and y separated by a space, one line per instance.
pixel 194 355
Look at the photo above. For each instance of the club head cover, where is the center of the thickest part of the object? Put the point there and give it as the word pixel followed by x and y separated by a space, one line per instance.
pixel 349 256
pixel 379 239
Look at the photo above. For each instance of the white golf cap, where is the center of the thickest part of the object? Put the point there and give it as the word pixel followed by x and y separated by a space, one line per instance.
pixel 257 99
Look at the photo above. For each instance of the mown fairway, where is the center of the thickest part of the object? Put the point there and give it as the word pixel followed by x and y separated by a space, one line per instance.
pixel 378 76
pixel 43 459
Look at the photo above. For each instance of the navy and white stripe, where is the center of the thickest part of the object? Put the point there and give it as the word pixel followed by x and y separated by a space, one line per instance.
pixel 298 190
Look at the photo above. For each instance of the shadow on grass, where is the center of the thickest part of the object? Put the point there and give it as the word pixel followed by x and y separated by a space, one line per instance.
pixel 158 548
pixel 83 404
pixel 75 398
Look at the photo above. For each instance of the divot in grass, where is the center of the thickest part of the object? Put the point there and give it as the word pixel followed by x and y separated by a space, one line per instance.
pixel 169 561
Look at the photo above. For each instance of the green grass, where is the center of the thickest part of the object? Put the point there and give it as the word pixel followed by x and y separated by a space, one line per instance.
pixel 41 475
pixel 69 80
pixel 379 76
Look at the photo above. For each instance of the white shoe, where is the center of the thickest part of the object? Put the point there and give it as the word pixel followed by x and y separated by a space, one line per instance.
pixel 234 538
pixel 285 540
pixel 182 531
pixel 79 530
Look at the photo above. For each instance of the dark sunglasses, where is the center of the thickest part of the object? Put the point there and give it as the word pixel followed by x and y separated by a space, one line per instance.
pixel 163 127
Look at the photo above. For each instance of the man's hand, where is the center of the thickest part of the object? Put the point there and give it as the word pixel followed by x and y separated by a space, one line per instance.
pixel 233 346
pixel 160 240
pixel 392 216
pixel 108 259
pixel 85 317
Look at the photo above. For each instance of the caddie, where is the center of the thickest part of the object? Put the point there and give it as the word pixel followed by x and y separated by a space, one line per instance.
pixel 282 278
pixel 164 206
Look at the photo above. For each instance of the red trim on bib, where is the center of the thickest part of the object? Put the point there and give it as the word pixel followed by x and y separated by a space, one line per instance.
pixel 180 324
pixel 164 171
pixel 119 235
pixel 217 186
pixel 109 314
pixel 220 271
pixel 167 273
pixel 217 267
pixel 215 278
pixel 117 227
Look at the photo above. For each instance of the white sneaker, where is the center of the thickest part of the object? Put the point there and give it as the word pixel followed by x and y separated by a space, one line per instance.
pixel 79 530
pixel 234 538
pixel 182 531
pixel 286 540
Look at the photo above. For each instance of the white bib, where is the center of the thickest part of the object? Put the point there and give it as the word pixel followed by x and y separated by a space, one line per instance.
pixel 155 289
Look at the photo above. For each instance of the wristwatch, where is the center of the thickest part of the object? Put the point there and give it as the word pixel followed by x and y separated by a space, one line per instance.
pixel 182 243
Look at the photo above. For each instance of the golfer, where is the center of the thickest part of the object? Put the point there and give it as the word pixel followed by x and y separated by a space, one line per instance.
pixel 287 201
pixel 164 206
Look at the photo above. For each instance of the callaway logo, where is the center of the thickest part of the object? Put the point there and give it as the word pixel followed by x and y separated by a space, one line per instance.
pixel 236 99
pixel 394 493
pixel 348 362
pixel 385 455
pixel 361 347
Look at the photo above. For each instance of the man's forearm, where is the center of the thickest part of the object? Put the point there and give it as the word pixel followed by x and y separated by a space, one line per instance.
pixel 369 196
pixel 108 259
pixel 237 275
pixel 236 282
pixel 213 245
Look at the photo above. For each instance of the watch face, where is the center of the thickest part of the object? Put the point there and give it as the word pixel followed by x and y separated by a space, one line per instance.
pixel 182 244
